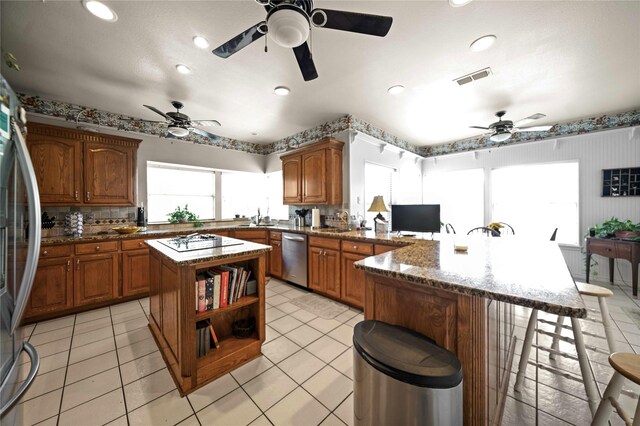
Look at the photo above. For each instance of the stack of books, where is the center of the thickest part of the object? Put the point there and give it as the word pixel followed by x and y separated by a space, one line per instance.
pixel 205 337
pixel 221 286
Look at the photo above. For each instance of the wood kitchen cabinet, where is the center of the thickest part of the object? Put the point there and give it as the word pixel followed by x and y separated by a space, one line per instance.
pixel 96 278
pixel 324 266
pixel 352 286
pixel 52 287
pixel 313 174
pixel 135 267
pixel 275 256
pixel 83 168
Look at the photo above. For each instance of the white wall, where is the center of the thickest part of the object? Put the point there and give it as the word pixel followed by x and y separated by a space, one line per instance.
pixel 594 152
pixel 367 149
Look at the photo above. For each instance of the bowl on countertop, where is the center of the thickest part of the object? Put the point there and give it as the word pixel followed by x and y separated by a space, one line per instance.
pixel 126 229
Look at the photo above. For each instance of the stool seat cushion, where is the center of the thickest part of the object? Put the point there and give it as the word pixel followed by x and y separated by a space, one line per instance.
pixel 627 364
pixel 593 290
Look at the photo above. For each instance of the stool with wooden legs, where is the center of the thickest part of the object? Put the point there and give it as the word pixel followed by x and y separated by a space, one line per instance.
pixel 626 365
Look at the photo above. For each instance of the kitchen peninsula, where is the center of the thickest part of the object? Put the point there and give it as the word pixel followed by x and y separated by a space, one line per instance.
pixel 465 300
pixel 174 268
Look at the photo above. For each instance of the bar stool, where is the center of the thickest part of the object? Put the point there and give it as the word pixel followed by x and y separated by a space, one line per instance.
pixel 626 365
pixel 578 340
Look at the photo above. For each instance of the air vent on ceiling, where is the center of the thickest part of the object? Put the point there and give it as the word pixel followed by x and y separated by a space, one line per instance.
pixel 476 75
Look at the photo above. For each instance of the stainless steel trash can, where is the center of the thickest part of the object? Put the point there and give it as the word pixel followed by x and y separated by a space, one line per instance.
pixel 403 378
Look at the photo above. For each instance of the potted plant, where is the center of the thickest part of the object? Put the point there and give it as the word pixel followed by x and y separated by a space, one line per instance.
pixel 619 229
pixel 183 216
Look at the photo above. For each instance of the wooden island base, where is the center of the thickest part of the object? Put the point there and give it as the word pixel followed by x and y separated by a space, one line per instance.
pixel 478 330
pixel 173 318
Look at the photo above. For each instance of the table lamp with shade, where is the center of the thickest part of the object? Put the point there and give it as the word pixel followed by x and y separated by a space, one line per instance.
pixel 378 206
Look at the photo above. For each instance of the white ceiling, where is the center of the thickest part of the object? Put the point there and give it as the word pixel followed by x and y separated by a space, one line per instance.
pixel 567 59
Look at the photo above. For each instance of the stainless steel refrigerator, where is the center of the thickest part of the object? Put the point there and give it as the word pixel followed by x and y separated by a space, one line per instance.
pixel 19 250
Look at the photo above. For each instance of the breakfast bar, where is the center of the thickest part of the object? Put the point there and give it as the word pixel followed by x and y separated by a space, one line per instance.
pixel 464 301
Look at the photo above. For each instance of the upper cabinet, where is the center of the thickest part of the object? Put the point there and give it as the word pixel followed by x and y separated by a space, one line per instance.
pixel 82 168
pixel 313 174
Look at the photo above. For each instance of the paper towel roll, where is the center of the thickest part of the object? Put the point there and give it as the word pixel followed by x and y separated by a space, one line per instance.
pixel 315 218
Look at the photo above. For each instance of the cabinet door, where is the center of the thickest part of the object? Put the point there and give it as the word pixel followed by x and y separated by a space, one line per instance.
pixel 314 179
pixel 352 288
pixel 96 278
pixel 332 272
pixel 292 180
pixel 275 259
pixel 52 287
pixel 57 163
pixel 109 174
pixel 315 265
pixel 135 272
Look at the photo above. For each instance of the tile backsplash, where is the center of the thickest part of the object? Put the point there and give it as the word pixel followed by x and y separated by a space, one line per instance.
pixel 96 219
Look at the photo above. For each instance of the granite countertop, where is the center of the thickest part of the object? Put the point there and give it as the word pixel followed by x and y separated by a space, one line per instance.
pixel 369 236
pixel 242 248
pixel 521 272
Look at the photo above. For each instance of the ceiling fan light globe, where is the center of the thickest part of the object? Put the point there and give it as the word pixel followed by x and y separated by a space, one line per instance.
pixel 178 132
pixel 288 28
pixel 500 137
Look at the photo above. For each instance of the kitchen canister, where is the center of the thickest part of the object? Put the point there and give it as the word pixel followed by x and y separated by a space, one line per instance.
pixel 74 224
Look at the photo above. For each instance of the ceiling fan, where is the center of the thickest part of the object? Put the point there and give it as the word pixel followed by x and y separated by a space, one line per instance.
pixel 289 22
pixel 179 125
pixel 503 129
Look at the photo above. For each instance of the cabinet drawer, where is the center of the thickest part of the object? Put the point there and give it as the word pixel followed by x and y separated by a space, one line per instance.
pixel 101 247
pixel 134 244
pixel 243 235
pixel 611 250
pixel 275 235
pixel 56 251
pixel 383 248
pixel 330 243
pixel 357 247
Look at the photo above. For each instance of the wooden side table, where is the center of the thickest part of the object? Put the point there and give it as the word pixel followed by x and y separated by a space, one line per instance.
pixel 613 248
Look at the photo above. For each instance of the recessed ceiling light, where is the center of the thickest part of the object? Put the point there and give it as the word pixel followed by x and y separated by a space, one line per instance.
pixel 458 3
pixel 183 69
pixel 394 90
pixel 483 43
pixel 281 91
pixel 100 10
pixel 201 42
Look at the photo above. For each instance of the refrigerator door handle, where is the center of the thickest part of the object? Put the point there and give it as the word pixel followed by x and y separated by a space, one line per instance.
pixel 33 247
pixel 35 365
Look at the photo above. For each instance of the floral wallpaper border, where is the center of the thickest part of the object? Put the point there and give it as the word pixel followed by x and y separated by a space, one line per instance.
pixel 559 130
pixel 86 115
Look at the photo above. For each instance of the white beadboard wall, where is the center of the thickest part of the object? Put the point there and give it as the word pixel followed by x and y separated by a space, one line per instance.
pixel 594 152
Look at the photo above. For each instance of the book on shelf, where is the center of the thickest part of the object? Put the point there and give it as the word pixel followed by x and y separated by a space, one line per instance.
pixel 222 286
pixel 209 292
pixel 202 291
pixel 203 341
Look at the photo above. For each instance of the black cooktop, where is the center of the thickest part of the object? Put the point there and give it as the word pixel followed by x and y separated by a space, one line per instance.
pixel 195 242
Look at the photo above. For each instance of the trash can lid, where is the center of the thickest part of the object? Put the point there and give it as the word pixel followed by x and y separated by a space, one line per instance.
pixel 406 355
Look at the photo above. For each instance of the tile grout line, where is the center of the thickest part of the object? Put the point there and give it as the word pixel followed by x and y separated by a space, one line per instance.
pixel 115 344
pixel 64 382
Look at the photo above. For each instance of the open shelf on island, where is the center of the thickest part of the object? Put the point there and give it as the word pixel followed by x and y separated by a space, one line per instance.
pixel 240 303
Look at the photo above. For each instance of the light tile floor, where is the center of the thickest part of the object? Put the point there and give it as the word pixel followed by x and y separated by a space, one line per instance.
pixel 103 367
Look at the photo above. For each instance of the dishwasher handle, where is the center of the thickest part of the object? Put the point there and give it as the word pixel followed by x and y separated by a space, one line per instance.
pixel 300 239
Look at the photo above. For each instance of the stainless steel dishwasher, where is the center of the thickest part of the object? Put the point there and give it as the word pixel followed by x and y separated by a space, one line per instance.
pixel 294 258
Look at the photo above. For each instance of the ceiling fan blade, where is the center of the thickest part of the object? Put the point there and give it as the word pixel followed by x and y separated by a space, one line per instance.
pixel 354 22
pixel 206 123
pixel 305 62
pixel 141 120
pixel 157 111
pixel 529 119
pixel 204 133
pixel 535 129
pixel 239 42
pixel 479 127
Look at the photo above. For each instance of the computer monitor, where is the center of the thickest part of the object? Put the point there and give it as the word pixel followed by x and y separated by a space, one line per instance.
pixel 415 217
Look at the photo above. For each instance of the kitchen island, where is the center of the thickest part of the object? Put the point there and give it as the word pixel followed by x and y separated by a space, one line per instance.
pixel 174 270
pixel 464 301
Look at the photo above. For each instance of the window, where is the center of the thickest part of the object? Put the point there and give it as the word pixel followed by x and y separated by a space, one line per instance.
pixel 172 185
pixel 460 195
pixel 535 199
pixel 277 210
pixel 242 194
pixel 378 180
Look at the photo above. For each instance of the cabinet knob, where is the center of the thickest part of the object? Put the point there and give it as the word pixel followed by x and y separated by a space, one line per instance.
pixel 140 244
pixel 355 247
pixel 78 264
pixel 97 248
pixel 76 195
pixel 44 253
pixel 68 265
pixel 88 195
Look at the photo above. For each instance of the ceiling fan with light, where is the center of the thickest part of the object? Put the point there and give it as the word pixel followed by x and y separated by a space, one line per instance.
pixel 289 22
pixel 503 129
pixel 179 125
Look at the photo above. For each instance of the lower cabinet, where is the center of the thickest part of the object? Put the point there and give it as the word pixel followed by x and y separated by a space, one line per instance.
pixel 324 271
pixel 275 259
pixel 52 287
pixel 352 280
pixel 135 272
pixel 96 278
